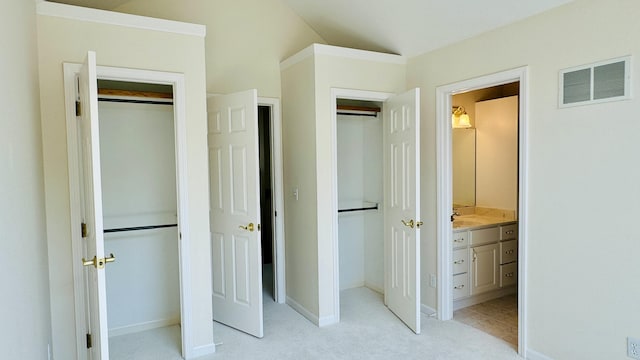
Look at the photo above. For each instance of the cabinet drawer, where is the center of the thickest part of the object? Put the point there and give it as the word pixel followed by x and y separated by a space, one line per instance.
pixel 460 286
pixel 508 274
pixel 508 232
pixel 460 239
pixel 460 261
pixel 484 236
pixel 508 251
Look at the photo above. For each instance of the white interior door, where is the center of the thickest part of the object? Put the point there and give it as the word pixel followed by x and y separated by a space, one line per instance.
pixel 94 239
pixel 402 207
pixel 235 211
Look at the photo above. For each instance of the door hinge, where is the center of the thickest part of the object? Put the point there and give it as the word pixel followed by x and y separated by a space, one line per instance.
pixel 83 230
pixel 78 108
pixel 275 213
pixel 89 344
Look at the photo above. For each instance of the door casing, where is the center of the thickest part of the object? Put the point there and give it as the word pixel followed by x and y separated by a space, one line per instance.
pixel 180 122
pixel 445 191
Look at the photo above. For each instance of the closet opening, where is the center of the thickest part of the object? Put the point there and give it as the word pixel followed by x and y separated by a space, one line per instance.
pixel 360 195
pixel 267 209
pixel 140 214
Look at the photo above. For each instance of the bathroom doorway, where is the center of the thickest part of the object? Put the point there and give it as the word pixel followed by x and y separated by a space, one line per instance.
pixel 485 202
pixel 470 262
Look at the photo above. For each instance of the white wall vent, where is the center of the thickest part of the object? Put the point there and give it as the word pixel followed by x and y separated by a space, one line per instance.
pixel 604 81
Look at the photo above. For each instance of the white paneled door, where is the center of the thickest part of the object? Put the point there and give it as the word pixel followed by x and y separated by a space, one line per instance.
pixel 402 207
pixel 94 239
pixel 235 211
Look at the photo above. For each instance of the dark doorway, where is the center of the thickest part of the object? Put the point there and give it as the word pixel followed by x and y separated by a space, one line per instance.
pixel 266 198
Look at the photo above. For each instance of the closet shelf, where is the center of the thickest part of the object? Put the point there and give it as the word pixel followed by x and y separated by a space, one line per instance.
pixel 357 110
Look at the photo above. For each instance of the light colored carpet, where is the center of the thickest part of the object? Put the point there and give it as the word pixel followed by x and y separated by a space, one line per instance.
pixel 367 330
pixel 157 344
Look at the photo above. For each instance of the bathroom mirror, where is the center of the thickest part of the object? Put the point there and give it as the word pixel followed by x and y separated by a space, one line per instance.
pixel 464 167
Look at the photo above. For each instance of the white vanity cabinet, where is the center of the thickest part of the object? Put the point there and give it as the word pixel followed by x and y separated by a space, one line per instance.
pixel 484 268
pixel 484 261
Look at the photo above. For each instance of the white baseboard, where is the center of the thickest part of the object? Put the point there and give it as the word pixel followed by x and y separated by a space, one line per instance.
pixel 327 320
pixel 134 328
pixel 303 311
pixel 374 287
pixel 534 355
pixel 427 310
pixel 353 285
pixel 202 350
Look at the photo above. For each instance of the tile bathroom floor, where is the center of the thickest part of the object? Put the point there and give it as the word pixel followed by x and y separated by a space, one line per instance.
pixel 498 317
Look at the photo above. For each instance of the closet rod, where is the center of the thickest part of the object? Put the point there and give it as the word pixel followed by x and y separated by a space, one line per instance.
pixel 356 114
pixel 152 102
pixel 135 228
pixel 358 108
pixel 358 209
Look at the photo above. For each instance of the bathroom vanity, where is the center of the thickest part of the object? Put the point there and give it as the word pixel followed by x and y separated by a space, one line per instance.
pixel 485 255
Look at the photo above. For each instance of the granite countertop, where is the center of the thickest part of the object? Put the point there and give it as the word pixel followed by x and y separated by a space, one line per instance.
pixel 464 222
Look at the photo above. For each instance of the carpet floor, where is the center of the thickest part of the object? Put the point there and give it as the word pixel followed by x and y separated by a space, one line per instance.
pixel 367 330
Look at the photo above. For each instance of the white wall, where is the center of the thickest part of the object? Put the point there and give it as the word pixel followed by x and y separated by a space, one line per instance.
pixel 137 156
pixel 298 149
pixel 351 225
pixel 120 46
pixel 25 330
pixel 582 253
pixel 497 153
pixel 246 39
pixel 373 191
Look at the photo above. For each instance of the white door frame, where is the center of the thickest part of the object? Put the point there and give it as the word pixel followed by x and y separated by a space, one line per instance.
pixel 180 123
pixel 338 93
pixel 445 192
pixel 278 196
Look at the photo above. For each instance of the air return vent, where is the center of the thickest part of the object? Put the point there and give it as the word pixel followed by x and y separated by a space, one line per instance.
pixel 595 83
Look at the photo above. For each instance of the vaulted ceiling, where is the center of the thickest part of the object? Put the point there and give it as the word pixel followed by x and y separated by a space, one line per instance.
pixel 405 27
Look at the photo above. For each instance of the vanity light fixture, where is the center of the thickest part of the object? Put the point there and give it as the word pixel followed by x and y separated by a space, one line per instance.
pixel 460 118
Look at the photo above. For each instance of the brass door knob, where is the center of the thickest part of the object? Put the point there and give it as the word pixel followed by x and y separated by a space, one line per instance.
pixel 98 263
pixel 410 224
pixel 249 227
pixel 89 262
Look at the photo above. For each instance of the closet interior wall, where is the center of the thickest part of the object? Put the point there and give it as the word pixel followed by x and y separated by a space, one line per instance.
pixel 137 149
pixel 360 194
